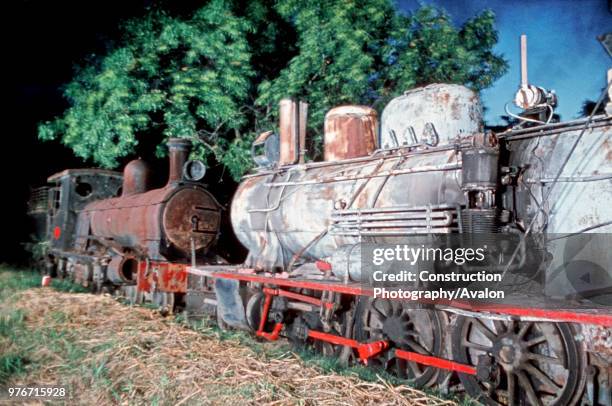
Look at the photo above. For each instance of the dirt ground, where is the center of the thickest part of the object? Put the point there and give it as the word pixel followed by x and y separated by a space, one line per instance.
pixel 109 353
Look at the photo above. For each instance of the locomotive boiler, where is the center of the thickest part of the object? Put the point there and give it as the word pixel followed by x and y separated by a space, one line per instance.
pixel 413 185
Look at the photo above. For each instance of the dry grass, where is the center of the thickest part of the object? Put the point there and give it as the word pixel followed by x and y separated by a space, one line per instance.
pixel 108 353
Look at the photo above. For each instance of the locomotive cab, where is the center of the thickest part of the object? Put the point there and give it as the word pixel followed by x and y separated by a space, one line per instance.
pixel 71 190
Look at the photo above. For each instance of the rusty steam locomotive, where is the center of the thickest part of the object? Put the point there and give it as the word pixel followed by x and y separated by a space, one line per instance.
pixel 108 230
pixel 429 169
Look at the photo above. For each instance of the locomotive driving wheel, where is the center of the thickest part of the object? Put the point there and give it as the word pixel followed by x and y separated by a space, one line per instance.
pixel 519 363
pixel 407 327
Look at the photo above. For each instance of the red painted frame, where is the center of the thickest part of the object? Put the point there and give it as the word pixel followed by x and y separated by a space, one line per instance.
pixel 162 276
pixel 556 315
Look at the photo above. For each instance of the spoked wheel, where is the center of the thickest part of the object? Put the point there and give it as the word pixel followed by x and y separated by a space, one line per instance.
pixel 406 327
pixel 531 363
pixel 254 310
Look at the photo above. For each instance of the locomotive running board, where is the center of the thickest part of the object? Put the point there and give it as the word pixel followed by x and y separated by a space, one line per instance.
pixel 531 314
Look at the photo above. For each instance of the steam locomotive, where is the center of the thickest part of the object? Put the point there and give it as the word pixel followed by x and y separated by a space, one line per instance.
pixel 108 230
pixel 429 170
pixel 432 171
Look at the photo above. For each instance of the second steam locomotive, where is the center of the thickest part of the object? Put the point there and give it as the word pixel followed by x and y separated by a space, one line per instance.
pixel 108 230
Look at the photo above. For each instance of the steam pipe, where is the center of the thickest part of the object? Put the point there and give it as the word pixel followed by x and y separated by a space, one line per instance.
pixel 524 80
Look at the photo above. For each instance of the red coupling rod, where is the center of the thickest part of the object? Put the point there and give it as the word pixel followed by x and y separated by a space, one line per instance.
pixel 435 362
pixel 368 350
pixel 364 350
pixel 299 297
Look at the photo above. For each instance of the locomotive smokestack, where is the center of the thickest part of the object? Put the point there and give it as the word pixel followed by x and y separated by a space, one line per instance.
pixel 178 150
pixel 292 122
pixel 288 123
pixel 302 119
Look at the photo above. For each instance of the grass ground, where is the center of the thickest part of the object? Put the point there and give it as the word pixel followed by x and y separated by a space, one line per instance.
pixel 108 353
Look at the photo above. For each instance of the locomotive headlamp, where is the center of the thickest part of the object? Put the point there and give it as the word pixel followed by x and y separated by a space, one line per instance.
pixel 529 96
pixel 194 170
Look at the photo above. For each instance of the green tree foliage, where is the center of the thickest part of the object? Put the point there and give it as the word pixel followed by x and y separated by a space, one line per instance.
pixel 172 77
pixel 426 48
pixel 217 76
pixel 341 45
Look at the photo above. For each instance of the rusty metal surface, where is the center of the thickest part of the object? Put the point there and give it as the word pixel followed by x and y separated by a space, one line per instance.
pixel 454 110
pixel 75 189
pixel 160 223
pixel 135 177
pixel 580 199
pixel 81 273
pixel 285 213
pixel 598 340
pixel 143 220
pixel 122 270
pixel 289 141
pixel 280 214
pixel 350 132
pixel 191 213
pixel 292 124
pixel 573 205
pixel 162 277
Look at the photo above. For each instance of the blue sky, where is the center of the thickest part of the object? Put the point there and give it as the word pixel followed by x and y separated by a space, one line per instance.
pixel 563 52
